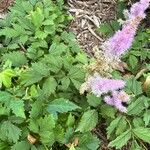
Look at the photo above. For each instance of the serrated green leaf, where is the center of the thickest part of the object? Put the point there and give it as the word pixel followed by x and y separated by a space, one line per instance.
pixel 23 145
pixel 112 126
pixel 36 109
pixel 142 133
pixel 77 76
pixel 135 146
pixel 93 100
pixel 17 107
pixel 133 61
pixel 36 73
pixel 10 131
pixel 107 111
pixel 88 121
pixel 65 82
pixel 122 125
pixel 88 142
pixel 6 77
pixel 47 123
pixel 41 125
pixel 70 121
pixel 17 58
pixel 40 34
pixel 81 57
pixel 134 86
pixel 47 137
pixel 147 117
pixel 3 146
pixel 37 17
pixel 57 48
pixel 137 106
pixel 53 62
pixel 138 122
pixel 61 105
pixel 59 133
pixel 121 140
pixel 49 86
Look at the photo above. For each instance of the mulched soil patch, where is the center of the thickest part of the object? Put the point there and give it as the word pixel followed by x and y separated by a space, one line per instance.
pixel 88 15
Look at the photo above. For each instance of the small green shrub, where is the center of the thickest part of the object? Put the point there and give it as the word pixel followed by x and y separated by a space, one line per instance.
pixel 42 68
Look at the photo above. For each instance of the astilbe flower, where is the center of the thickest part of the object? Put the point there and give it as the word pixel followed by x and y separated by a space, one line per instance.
pixel 99 85
pixel 113 48
pixel 117 99
pixel 122 40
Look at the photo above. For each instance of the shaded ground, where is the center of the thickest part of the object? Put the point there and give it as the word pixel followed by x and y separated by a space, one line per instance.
pixel 88 15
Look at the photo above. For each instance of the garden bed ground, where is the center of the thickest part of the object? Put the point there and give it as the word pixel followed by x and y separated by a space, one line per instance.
pixel 88 15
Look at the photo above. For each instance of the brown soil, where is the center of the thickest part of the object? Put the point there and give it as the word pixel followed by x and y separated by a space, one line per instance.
pixel 88 15
pixel 4 4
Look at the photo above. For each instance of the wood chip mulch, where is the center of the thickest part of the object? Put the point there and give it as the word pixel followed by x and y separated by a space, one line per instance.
pixel 88 15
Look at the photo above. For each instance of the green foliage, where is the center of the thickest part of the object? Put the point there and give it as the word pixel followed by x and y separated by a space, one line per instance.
pixel 9 132
pixel 121 140
pixel 134 126
pixel 109 28
pixel 142 133
pixel 42 68
pixel 88 121
pixel 61 105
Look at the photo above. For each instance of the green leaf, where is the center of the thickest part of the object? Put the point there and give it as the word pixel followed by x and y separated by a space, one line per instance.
pixel 36 109
pixel 82 57
pixel 37 17
pixel 17 107
pixel 135 146
pixel 147 117
pixel 23 145
pixel 36 73
pixel 57 48
pixel 3 146
pixel 134 86
pixel 6 76
pixel 138 122
pixel 93 100
pixel 113 125
pixel 42 124
pixel 121 140
pixel 77 76
pixel 47 137
pixel 122 125
pixel 53 62
pixel 47 123
pixel 59 133
pixel 88 121
pixel 40 34
pixel 142 133
pixel 109 28
pixel 88 142
pixel 137 106
pixel 70 121
pixel 65 82
pixel 49 86
pixel 17 58
pixel 133 61
pixel 107 111
pixel 13 103
pixel 10 131
pixel 61 105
